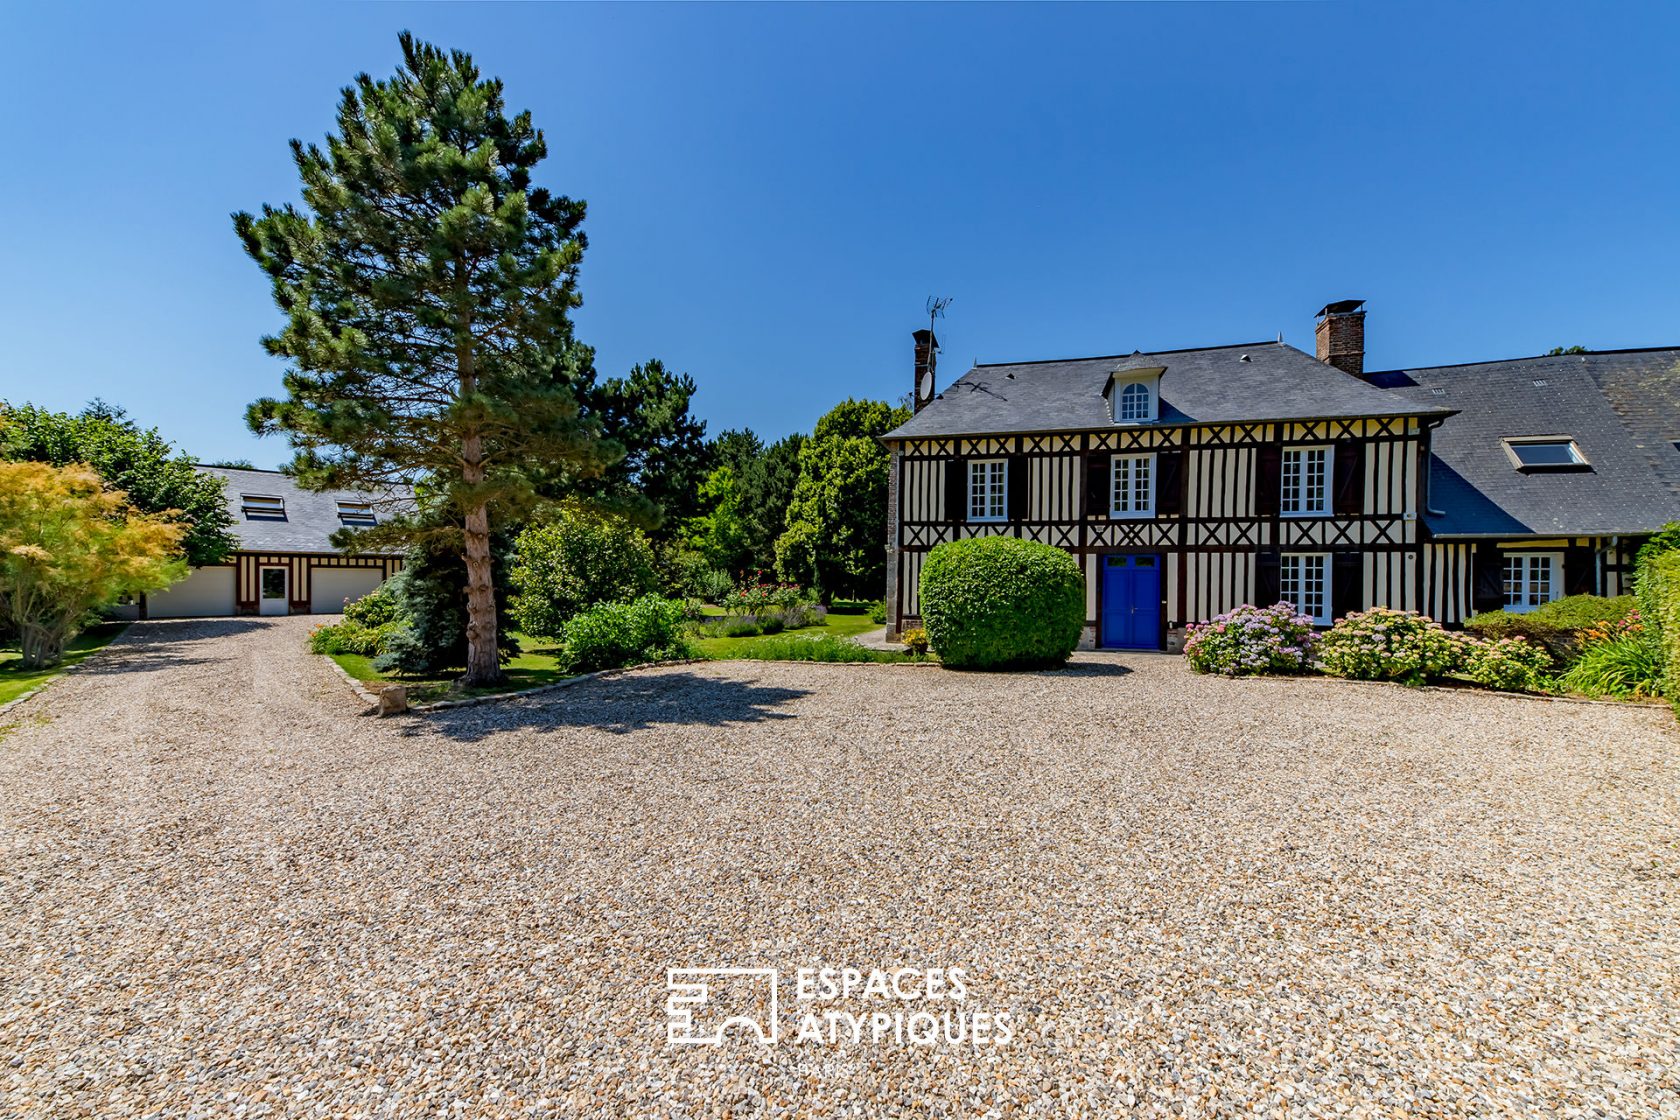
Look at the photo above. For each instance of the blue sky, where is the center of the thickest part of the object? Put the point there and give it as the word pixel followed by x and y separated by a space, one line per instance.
pixel 774 191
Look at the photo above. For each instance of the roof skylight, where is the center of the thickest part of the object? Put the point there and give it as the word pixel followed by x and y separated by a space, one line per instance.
pixel 1546 453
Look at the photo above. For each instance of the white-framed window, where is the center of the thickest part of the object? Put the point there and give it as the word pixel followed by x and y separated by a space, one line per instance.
pixel 1531 578
pixel 1133 403
pixel 1133 491
pixel 1304 583
pixel 988 485
pixel 1305 489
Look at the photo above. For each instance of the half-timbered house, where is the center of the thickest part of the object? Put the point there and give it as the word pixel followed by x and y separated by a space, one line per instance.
pixel 286 562
pixel 1188 482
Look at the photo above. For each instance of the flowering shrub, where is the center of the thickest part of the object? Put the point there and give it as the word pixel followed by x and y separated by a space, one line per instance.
pixel 915 640
pixel 1252 640
pixel 1511 664
pixel 1388 645
pixel 762 597
pixel 1625 627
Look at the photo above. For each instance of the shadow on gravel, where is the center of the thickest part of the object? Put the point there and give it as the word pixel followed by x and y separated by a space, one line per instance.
pixel 1090 669
pixel 165 644
pixel 620 705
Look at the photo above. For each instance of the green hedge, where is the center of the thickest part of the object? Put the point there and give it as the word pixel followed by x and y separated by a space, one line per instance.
pixel 1558 625
pixel 1659 595
pixel 1002 602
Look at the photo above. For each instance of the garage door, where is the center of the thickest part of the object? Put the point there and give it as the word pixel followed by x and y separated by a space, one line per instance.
pixel 329 587
pixel 204 593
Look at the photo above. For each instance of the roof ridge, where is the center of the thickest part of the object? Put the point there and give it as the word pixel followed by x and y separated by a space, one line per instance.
pixel 1525 358
pixel 1133 354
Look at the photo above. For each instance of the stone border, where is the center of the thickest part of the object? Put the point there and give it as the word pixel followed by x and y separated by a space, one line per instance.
pixel 1466 689
pixel 356 686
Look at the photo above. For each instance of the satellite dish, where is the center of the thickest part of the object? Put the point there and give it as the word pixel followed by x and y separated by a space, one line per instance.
pixel 927 384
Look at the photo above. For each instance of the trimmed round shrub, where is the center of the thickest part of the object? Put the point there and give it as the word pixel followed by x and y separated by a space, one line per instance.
pixel 576 560
pixel 1388 645
pixel 1251 641
pixel 1002 602
pixel 1511 665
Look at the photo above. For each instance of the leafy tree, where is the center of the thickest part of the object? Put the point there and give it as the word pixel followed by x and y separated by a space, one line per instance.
pixel 719 533
pixel 427 287
pixel 573 561
pixel 234 464
pixel 1557 350
pixel 69 545
pixel 837 519
pixel 155 477
pixel 647 413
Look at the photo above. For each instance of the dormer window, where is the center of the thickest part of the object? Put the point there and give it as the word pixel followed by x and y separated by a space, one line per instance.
pixel 262 507
pixel 1546 453
pixel 1132 396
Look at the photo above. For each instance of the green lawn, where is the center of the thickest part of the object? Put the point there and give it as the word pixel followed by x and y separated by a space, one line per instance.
pixel 839 625
pixel 538 665
pixel 15 681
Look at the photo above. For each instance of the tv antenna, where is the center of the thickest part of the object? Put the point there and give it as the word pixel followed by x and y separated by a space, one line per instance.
pixel 936 306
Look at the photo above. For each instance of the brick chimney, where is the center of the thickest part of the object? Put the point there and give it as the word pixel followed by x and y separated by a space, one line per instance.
pixel 1341 335
pixel 927 356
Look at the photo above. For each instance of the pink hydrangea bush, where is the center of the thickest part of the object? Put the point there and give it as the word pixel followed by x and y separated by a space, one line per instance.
pixel 1389 645
pixel 1510 664
pixel 1251 641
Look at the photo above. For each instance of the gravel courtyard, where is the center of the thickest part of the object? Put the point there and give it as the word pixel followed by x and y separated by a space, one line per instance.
pixel 223 892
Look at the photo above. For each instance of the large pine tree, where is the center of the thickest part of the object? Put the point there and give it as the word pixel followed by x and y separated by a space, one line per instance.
pixel 428 287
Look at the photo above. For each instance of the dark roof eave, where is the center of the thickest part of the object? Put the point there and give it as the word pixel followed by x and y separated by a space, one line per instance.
pixel 1440 413
pixel 1535 534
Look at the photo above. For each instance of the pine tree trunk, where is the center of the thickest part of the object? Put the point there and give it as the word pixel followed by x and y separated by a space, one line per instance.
pixel 484 666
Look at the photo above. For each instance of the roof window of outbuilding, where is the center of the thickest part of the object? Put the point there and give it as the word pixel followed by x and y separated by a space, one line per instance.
pixel 263 507
pixel 1546 453
pixel 357 513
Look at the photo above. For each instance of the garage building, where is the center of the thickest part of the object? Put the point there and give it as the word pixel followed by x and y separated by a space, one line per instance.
pixel 286 563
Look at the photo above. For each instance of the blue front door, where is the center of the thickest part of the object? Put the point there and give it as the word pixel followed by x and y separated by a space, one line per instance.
pixel 1131 602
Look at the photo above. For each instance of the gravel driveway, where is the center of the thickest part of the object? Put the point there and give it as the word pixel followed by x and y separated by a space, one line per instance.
pixel 225 893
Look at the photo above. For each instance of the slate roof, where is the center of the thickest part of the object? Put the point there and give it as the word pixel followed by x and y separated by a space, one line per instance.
pixel 311 516
pixel 1622 407
pixel 1207 385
